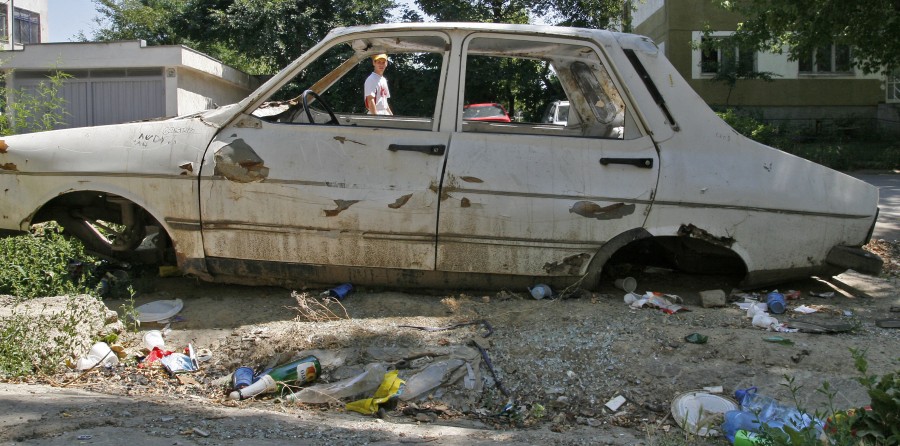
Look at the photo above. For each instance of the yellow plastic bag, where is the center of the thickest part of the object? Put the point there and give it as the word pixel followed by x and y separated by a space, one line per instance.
pixel 389 388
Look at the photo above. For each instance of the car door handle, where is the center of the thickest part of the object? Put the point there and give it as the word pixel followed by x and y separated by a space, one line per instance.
pixel 433 149
pixel 646 163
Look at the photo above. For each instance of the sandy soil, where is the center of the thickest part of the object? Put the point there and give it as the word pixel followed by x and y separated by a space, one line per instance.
pixel 559 360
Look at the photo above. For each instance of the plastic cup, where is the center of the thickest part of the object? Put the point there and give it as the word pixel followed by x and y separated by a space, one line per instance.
pixel 775 301
pixel 627 284
pixel 153 338
pixel 541 291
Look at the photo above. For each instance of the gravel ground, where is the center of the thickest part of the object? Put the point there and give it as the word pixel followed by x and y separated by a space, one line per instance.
pixel 560 361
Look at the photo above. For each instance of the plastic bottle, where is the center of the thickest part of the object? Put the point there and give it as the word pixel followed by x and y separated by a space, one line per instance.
pixel 775 301
pixel 759 409
pixel 364 383
pixel 301 371
pixel 265 384
pixel 744 438
pixel 540 291
pixel 739 420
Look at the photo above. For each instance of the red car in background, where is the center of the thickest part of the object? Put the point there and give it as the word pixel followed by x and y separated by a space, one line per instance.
pixel 488 111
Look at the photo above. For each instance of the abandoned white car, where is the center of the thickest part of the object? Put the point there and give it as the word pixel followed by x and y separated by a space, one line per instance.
pixel 297 183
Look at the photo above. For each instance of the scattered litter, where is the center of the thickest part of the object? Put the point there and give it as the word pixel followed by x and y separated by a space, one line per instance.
pixel 627 284
pixel 696 338
pixel 180 362
pixel 540 291
pixel 824 295
pixel 155 355
pixel 166 418
pixel 779 340
pixel 391 387
pixel 776 302
pixel 339 292
pixel 805 309
pixel 615 403
pixel 656 300
pixel 99 355
pixel 159 310
pixel 792 295
pixel 84 437
pixel 204 354
pixel 363 383
pixel 153 339
pixel 714 389
pixel 700 412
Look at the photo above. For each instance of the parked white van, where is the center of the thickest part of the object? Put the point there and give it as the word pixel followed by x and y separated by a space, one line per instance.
pixel 283 187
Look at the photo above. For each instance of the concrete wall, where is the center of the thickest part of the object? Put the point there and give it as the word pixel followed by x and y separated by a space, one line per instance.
pixel 200 91
pixel 192 81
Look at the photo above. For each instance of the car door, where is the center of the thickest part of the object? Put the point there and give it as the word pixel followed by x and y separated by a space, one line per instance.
pixel 363 193
pixel 539 199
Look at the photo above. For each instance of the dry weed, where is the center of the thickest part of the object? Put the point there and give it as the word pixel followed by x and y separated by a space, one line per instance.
pixel 313 309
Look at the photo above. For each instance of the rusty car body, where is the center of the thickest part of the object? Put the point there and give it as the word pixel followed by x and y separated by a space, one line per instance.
pixel 280 188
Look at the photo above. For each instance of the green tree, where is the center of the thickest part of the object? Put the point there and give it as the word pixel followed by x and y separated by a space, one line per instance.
pixel 799 27
pixel 259 37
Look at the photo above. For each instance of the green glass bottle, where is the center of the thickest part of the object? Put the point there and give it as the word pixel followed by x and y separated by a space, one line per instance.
pixel 298 372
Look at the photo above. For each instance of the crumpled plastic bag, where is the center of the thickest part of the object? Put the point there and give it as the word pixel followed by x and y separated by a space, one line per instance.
pixel 391 386
pixel 655 300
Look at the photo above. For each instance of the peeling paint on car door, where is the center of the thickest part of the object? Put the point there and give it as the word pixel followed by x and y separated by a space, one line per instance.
pixel 321 194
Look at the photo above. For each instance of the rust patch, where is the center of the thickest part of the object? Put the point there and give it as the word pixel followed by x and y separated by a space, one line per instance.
pixel 187 166
pixel 692 231
pixel 464 203
pixel 400 202
pixel 471 179
pixel 342 205
pixel 3 146
pixel 238 162
pixel 343 140
pixel 568 266
pixel 590 209
pixel 9 166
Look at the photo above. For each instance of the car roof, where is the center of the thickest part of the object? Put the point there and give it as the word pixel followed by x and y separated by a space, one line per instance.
pixel 603 36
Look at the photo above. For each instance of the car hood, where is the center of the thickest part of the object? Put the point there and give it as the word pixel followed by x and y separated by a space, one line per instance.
pixel 159 147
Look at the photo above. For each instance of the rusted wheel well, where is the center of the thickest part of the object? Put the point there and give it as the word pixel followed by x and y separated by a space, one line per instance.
pixel 682 253
pixel 109 225
pixel 639 248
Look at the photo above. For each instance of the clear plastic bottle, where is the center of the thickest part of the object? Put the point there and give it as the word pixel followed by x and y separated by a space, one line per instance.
pixel 757 410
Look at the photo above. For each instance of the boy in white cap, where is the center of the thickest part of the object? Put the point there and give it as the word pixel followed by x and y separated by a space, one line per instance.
pixel 376 90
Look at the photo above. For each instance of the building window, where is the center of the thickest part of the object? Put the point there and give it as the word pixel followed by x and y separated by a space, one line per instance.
pixel 4 18
pixel 26 26
pixel 828 59
pixel 893 87
pixel 718 56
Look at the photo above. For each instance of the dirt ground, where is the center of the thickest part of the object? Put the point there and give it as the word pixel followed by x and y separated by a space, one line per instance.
pixel 559 360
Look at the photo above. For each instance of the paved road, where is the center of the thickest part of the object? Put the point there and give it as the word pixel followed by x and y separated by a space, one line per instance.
pixel 888 225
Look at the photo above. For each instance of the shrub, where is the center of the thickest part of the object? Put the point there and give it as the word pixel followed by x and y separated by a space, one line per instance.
pixel 37 264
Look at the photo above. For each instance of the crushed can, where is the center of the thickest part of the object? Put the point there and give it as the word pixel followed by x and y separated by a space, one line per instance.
pixel 242 377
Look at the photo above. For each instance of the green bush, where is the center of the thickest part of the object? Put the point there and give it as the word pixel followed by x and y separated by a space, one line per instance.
pixel 36 264
pixel 754 128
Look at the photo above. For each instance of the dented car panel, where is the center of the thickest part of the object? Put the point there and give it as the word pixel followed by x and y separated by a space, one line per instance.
pixel 336 196
pixel 285 190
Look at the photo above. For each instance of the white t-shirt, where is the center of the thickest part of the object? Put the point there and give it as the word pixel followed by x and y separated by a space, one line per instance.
pixel 377 87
